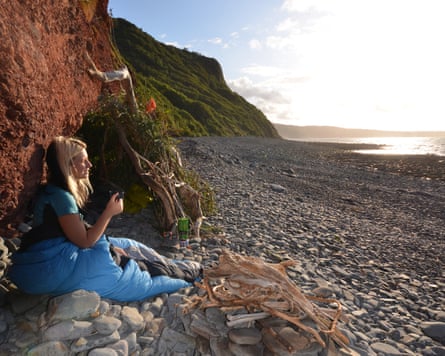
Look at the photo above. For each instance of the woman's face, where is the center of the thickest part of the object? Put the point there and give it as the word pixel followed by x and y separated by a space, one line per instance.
pixel 81 165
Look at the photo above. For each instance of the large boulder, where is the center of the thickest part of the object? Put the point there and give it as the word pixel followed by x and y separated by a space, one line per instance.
pixel 45 88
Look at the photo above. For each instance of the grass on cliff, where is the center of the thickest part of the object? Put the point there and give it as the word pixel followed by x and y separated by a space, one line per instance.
pixel 188 86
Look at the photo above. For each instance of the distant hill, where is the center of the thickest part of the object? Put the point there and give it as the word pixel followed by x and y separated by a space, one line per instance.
pixel 302 132
pixel 187 86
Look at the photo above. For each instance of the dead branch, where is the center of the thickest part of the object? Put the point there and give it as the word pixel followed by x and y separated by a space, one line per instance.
pixel 151 179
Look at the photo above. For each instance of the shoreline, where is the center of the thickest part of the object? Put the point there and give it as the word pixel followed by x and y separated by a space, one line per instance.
pixel 426 166
pixel 388 145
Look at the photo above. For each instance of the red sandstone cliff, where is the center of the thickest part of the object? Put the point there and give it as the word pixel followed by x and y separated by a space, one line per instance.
pixel 44 87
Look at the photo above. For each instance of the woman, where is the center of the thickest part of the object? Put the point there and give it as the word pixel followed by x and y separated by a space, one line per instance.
pixel 62 254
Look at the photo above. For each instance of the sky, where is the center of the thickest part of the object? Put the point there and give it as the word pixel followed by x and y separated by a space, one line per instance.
pixel 372 64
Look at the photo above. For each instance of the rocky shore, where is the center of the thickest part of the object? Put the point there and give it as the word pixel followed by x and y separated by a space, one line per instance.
pixel 370 227
pixel 366 230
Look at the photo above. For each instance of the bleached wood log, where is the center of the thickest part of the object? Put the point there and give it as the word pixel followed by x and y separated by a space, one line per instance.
pixel 244 318
pixel 122 75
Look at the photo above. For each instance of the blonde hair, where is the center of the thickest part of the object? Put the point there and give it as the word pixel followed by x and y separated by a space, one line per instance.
pixel 67 148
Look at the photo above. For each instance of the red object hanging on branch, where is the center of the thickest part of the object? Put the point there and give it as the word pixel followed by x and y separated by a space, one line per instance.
pixel 150 107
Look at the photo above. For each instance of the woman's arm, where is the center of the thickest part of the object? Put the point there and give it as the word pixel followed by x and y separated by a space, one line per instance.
pixel 75 230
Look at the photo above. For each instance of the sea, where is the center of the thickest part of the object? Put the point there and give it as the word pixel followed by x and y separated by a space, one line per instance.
pixel 392 145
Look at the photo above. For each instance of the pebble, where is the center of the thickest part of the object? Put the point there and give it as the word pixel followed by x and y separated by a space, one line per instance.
pixel 373 241
pixel 245 336
pixel 435 330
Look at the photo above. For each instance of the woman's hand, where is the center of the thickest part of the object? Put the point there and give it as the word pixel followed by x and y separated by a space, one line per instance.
pixel 115 205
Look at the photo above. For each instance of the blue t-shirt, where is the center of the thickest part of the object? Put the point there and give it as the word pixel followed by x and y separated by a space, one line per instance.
pixel 59 199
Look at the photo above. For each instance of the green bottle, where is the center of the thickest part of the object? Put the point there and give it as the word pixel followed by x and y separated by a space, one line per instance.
pixel 183 231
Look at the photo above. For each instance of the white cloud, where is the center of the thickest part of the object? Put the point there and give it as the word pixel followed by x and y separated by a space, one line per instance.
pixel 255 44
pixel 261 70
pixel 174 44
pixel 288 24
pixel 257 92
pixel 216 40
pixel 278 42
pixel 316 5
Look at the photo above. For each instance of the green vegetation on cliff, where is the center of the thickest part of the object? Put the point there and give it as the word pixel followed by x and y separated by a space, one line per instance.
pixel 189 88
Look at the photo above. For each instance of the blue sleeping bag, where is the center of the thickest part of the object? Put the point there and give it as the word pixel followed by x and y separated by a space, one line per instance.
pixel 57 266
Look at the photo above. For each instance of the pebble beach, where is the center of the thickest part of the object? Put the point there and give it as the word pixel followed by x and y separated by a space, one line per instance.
pixel 368 230
pixel 369 226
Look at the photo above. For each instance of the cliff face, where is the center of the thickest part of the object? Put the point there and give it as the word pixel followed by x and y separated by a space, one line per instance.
pixel 45 88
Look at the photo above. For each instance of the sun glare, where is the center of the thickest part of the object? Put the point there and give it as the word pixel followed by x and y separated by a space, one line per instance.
pixel 369 68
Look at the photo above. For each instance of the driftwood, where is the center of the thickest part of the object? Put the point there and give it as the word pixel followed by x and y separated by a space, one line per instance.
pixel 264 289
pixel 152 179
pixel 160 181
pixel 122 75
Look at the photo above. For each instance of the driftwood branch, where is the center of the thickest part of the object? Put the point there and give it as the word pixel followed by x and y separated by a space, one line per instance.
pixel 151 179
pixel 122 75
pixel 245 318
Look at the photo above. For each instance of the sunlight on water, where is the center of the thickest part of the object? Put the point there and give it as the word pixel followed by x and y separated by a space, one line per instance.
pixel 393 145
pixel 405 145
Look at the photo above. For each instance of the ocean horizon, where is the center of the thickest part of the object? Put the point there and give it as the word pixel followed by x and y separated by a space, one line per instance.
pixel 390 145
